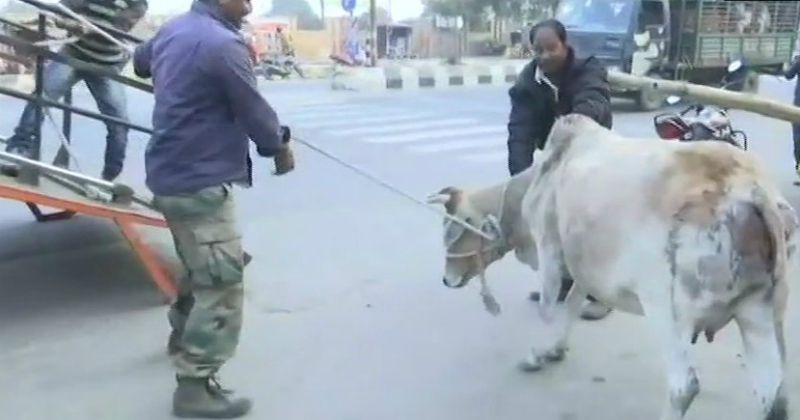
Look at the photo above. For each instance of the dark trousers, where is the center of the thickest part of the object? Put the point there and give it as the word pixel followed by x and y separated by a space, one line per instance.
pixel 566 285
pixel 796 140
pixel 796 126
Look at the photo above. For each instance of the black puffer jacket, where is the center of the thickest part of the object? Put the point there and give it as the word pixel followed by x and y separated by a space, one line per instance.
pixel 583 89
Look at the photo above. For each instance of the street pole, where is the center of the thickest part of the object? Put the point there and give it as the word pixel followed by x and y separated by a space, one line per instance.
pixel 373 34
pixel 460 32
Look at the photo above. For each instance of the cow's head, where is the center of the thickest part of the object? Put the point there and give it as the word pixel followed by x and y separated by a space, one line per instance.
pixel 469 252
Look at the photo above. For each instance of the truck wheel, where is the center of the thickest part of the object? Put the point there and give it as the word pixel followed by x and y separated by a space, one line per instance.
pixel 649 99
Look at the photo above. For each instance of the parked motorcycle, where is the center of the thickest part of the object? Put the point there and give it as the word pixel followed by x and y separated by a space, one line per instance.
pixel 280 66
pixel 699 122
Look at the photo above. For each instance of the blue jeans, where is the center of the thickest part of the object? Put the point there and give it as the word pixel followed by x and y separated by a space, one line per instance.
pixel 110 98
pixel 796 126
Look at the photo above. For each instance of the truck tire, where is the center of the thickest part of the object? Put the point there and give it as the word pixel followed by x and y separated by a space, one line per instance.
pixel 648 99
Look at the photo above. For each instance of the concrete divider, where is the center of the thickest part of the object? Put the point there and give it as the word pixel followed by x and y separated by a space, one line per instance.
pixel 433 76
pixel 425 75
pixel 462 76
pixel 402 77
pixel 512 71
pixel 359 79
pixel 20 82
pixel 494 74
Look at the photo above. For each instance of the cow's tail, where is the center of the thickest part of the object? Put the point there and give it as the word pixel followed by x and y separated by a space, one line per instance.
pixel 768 207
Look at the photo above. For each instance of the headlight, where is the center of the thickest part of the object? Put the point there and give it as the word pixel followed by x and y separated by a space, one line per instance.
pixel 614 68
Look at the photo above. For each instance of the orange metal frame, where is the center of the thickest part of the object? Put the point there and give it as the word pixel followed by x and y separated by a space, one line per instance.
pixel 24 190
pixel 126 221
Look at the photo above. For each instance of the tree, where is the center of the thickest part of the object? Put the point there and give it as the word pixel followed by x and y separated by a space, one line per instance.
pixel 455 7
pixel 517 10
pixel 306 18
pixel 382 17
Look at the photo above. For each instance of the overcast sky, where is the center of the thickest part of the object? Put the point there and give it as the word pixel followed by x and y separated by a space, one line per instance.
pixel 401 9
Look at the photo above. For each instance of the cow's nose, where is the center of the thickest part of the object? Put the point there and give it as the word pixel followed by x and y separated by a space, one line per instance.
pixel 457 285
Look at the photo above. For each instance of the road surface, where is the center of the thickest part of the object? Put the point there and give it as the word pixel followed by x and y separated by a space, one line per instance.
pixel 346 317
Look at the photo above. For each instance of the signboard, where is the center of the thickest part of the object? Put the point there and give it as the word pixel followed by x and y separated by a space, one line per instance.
pixel 263 35
pixel 448 22
pixel 348 5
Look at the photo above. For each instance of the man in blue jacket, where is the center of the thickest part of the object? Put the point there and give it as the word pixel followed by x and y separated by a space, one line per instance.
pixel 207 109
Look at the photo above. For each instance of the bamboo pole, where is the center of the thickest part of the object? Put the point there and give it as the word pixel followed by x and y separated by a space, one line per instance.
pixel 710 95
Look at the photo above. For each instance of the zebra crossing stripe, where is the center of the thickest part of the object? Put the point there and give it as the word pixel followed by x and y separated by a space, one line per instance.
pixel 437 134
pixel 488 157
pixel 489 143
pixel 344 121
pixel 419 125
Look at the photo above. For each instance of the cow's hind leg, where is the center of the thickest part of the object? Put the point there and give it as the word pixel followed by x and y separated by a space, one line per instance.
pixel 675 340
pixel 761 337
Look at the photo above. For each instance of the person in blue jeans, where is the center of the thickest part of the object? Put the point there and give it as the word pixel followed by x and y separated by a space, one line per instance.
pixel 108 94
pixel 790 73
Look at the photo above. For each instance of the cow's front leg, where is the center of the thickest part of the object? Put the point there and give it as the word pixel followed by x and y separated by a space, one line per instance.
pixel 555 315
pixel 553 346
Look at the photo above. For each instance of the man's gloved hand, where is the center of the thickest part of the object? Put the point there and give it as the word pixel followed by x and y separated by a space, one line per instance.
pixel 284 160
pixel 72 27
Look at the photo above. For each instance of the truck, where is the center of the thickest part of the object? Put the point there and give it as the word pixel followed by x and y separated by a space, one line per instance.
pixel 691 40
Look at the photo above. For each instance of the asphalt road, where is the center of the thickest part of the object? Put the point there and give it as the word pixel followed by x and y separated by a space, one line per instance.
pixel 346 318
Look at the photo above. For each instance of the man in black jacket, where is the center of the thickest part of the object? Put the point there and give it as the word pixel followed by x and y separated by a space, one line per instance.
pixel 555 83
pixel 791 72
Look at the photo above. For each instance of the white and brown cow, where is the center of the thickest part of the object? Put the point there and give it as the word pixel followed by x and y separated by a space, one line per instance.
pixel 690 235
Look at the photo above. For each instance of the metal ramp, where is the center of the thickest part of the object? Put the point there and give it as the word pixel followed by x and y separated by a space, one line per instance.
pixel 38 184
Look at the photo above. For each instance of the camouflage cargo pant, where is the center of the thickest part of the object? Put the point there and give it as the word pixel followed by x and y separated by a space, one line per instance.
pixel 207 315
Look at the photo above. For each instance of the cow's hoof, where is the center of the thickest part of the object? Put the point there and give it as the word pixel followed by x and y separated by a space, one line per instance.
pixel 532 364
pixel 557 355
pixel 594 311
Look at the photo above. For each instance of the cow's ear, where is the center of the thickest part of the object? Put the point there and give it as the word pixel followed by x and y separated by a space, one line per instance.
pixel 450 197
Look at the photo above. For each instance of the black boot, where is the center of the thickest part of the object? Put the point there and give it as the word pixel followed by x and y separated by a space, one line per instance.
pixel 204 398
pixel 110 173
pixel 566 285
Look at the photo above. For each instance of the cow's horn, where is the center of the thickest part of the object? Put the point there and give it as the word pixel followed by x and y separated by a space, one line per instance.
pixel 438 198
pixel 449 196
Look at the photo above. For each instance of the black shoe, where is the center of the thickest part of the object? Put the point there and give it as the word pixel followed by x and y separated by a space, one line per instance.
pixel 174 343
pixel 12 169
pixel 110 174
pixel 204 398
pixel 536 296
pixel 592 309
pixel 247 258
